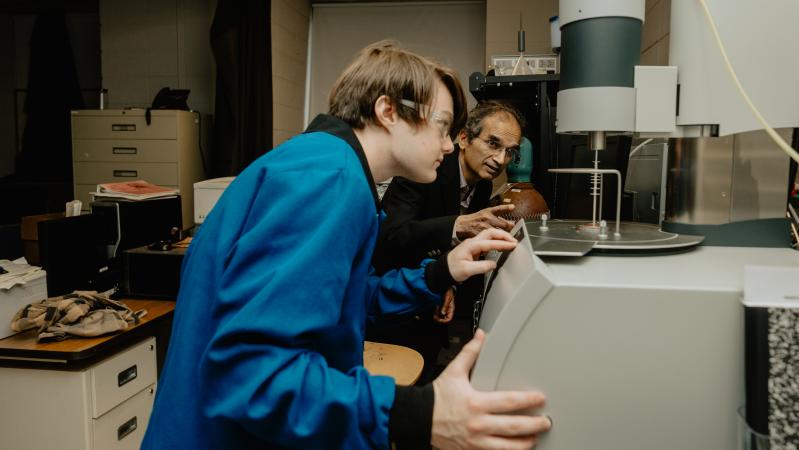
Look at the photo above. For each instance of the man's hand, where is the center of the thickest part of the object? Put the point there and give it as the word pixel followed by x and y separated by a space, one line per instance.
pixel 464 260
pixel 464 418
pixel 469 225
pixel 446 311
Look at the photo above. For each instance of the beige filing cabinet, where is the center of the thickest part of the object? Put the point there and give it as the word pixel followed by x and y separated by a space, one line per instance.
pixel 117 145
pixel 92 393
pixel 103 407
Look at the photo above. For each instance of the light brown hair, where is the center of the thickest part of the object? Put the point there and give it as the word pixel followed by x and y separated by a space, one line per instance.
pixel 383 68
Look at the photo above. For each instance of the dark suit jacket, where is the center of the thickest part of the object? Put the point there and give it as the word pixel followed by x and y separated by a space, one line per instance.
pixel 419 225
pixel 420 217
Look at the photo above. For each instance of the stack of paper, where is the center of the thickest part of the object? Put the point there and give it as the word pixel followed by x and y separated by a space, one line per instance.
pixel 133 190
pixel 14 273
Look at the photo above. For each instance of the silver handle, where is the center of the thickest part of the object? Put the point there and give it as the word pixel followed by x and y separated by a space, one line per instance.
pixel 127 375
pixel 126 173
pixel 124 150
pixel 127 428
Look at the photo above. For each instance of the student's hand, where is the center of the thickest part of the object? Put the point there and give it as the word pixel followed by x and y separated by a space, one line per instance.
pixel 469 225
pixel 446 311
pixel 464 260
pixel 464 418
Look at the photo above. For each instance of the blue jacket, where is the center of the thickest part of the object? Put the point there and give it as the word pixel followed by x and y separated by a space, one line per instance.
pixel 276 288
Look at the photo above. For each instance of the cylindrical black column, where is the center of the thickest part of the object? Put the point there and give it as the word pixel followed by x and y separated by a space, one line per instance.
pixel 600 52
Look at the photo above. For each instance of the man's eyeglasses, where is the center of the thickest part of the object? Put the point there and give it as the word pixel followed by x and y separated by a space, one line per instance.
pixel 441 119
pixel 511 153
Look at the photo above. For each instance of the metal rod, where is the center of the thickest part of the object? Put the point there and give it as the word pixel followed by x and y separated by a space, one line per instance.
pixel 618 188
pixel 596 140
pixel 601 190
pixel 595 189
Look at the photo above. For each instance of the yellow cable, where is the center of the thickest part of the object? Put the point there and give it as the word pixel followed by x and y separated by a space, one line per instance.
pixel 773 134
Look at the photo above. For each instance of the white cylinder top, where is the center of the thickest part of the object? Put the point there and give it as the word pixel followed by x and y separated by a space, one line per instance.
pixel 574 10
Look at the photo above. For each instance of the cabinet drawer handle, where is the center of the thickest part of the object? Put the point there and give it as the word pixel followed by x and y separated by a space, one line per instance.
pixel 124 150
pixel 123 127
pixel 126 173
pixel 127 375
pixel 127 428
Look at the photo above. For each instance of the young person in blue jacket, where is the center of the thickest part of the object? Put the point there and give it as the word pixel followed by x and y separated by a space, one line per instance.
pixel 276 288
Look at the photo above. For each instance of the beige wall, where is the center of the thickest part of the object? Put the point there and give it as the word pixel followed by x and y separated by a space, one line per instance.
pixel 290 19
pixel 655 35
pixel 502 26
pixel 149 44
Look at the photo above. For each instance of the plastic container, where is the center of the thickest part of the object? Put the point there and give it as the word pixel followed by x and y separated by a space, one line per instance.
pixel 520 169
pixel 554 33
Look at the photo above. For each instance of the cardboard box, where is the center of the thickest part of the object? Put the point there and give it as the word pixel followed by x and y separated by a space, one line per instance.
pixel 30 235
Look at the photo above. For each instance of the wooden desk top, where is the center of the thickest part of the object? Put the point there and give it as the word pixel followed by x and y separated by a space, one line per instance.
pixel 402 363
pixel 24 346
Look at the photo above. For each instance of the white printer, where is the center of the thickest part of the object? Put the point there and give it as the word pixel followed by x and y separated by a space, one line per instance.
pixel 206 194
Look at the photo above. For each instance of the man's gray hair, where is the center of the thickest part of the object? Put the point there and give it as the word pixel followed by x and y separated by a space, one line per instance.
pixel 474 124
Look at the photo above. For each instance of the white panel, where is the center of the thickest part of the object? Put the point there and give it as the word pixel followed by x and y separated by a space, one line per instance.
pixel 763 57
pixel 574 10
pixel 638 341
pixel 120 377
pixel 596 109
pixel 123 124
pixel 162 174
pixel 145 150
pixel 453 33
pixel 64 421
pixel 123 427
pixel 655 98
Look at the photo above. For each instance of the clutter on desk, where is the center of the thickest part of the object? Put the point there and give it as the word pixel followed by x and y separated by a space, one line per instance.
pixel 20 284
pixel 13 273
pixel 184 243
pixel 80 313
pixel 73 208
pixel 133 190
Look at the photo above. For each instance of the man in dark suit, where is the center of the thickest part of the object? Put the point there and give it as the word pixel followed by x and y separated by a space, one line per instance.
pixel 426 220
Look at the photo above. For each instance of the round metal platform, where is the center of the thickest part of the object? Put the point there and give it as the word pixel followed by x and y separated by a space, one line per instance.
pixel 578 237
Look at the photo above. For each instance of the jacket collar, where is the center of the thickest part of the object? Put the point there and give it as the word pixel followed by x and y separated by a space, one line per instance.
pixel 342 130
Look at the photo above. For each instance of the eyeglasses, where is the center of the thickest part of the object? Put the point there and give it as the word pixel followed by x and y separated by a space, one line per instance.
pixel 511 153
pixel 440 119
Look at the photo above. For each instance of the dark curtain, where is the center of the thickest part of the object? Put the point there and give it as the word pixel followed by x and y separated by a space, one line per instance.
pixel 53 91
pixel 241 43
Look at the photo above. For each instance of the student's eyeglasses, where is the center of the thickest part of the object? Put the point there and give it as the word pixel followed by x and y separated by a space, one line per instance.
pixel 511 152
pixel 440 119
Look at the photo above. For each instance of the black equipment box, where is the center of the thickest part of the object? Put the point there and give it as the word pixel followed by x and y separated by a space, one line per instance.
pixel 133 224
pixel 152 273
